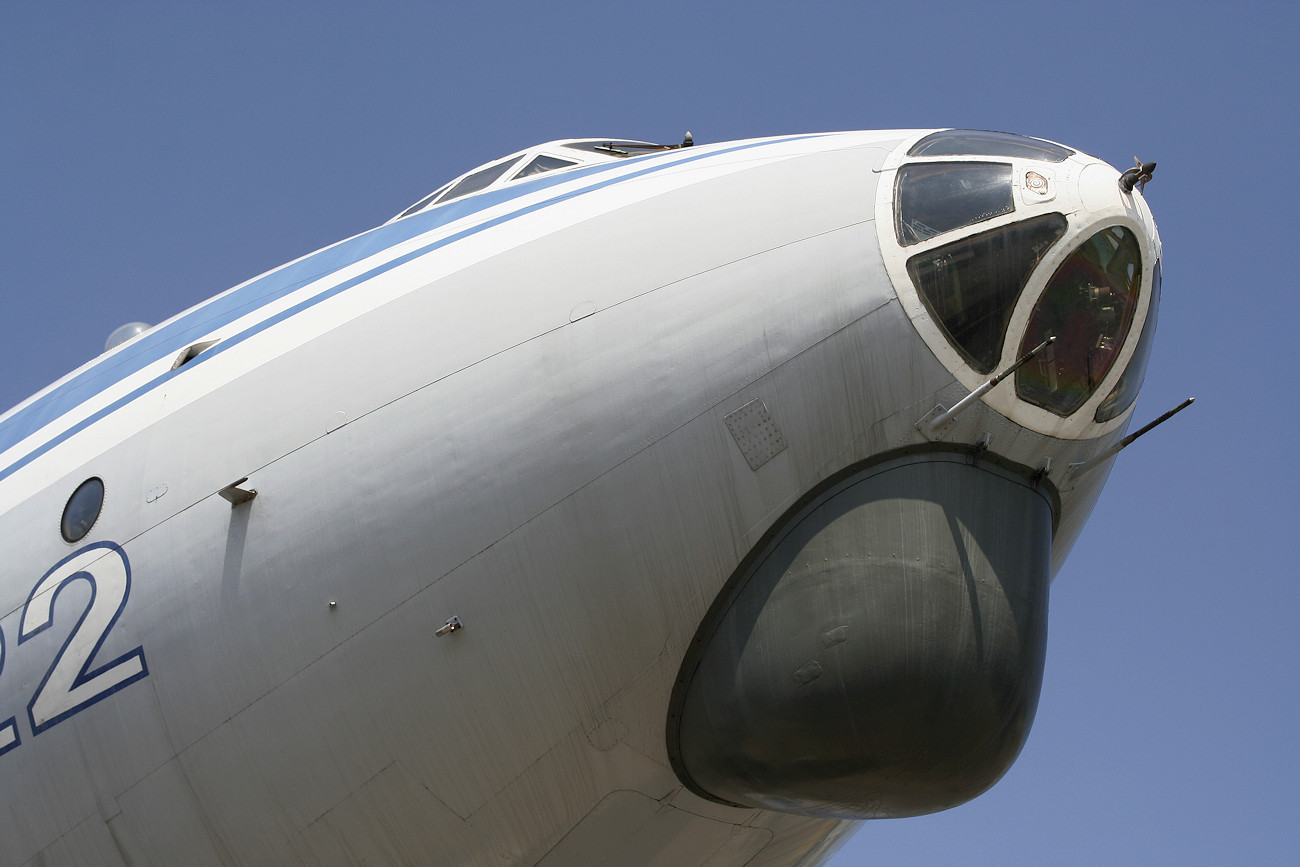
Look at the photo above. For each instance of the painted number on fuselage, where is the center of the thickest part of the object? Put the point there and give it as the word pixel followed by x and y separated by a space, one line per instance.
pixel 70 685
pixel 8 728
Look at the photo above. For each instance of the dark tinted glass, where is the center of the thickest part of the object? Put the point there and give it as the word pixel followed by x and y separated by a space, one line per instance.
pixel 1126 390
pixel 82 510
pixel 1088 306
pixel 971 285
pixel 938 197
pixel 969 142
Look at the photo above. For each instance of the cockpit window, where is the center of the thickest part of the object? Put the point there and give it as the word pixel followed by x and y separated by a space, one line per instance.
pixel 1126 390
pixel 975 142
pixel 970 286
pixel 420 205
pixel 542 163
pixel 934 198
pixel 480 179
pixel 1088 306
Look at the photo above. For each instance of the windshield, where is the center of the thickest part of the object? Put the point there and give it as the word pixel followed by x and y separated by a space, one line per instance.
pixel 1088 306
pixel 938 197
pixel 957 142
pixel 479 179
pixel 970 286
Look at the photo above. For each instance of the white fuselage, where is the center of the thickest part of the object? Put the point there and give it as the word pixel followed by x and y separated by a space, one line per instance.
pixel 512 414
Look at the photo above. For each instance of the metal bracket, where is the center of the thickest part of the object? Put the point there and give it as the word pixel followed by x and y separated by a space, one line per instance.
pixel 931 424
pixel 236 495
pixel 928 430
pixel 1043 472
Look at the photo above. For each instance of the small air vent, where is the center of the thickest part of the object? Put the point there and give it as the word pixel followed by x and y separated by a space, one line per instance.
pixel 189 353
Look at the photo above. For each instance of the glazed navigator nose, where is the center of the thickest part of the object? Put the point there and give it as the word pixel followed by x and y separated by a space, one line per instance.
pixel 996 243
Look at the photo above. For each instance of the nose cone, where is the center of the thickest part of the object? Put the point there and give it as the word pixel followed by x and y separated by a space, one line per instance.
pixel 994 242
pixel 882 655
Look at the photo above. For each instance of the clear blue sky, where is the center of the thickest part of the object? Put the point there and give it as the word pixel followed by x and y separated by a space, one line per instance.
pixel 152 154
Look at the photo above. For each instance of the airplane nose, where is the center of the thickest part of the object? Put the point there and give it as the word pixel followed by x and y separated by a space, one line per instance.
pixel 995 243
pixel 882 655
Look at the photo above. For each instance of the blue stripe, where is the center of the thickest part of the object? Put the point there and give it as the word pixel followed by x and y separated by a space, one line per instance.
pixel 168 341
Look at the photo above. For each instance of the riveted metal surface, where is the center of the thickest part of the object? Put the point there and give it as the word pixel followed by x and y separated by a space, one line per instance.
pixel 756 433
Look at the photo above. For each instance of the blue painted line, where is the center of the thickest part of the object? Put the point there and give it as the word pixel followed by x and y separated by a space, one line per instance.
pixel 168 341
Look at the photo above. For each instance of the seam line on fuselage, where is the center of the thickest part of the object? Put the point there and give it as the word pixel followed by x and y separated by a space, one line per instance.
pixel 892 299
pixel 68 390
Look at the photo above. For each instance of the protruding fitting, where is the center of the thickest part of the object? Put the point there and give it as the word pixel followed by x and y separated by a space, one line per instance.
pixel 1136 176
pixel 1082 467
pixel 453 623
pixel 236 495
pixel 937 419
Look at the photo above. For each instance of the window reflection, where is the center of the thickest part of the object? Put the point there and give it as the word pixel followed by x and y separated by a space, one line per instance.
pixel 1088 306
pixel 957 142
pixel 970 286
pixel 938 197
pixel 1126 390
pixel 82 509
pixel 479 180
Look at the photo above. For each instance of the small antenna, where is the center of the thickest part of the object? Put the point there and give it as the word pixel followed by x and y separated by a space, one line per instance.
pixel 1083 467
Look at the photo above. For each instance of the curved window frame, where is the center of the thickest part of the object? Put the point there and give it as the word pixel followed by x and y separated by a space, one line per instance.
pixel 540 164
pixel 423 203
pixel 480 179
pixel 947 299
pixel 1067 308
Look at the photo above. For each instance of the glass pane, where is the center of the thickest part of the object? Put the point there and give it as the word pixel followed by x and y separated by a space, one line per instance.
pixel 957 142
pixel 1126 390
pixel 1088 306
pixel 419 206
pixel 542 163
pixel 480 179
pixel 82 510
pixel 970 286
pixel 938 197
